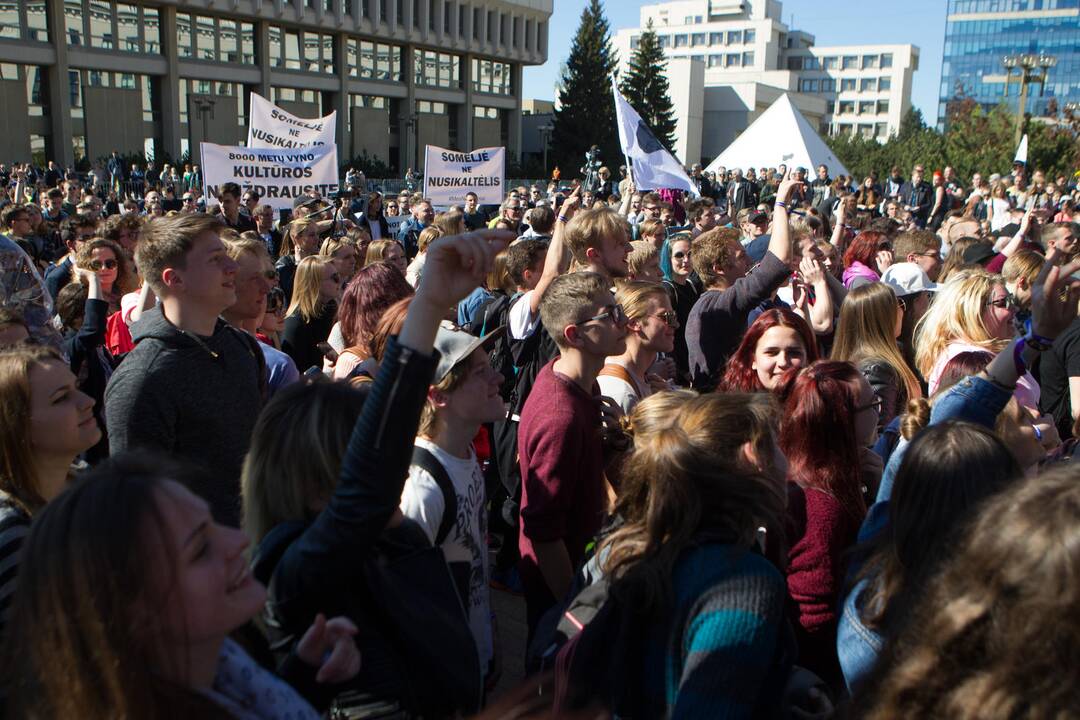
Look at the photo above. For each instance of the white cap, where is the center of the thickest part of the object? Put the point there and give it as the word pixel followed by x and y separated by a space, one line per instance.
pixel 907 278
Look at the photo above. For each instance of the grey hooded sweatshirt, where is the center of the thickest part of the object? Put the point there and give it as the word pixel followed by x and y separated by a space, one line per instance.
pixel 191 398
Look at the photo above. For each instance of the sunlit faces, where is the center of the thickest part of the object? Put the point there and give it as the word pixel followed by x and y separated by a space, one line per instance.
pixel 680 258
pixel 330 286
pixel 202 576
pixel 62 420
pixel 650 271
pixel 104 263
pixel 252 285
pixel 307 242
pixel 477 399
pixel 602 330
pixel 997 315
pixel 612 254
pixel 738 262
pixel 345 260
pixel 779 349
pixel 656 329
pixel 395 255
pixel 208 276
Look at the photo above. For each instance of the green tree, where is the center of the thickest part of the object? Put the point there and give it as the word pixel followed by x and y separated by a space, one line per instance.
pixel 586 113
pixel 645 87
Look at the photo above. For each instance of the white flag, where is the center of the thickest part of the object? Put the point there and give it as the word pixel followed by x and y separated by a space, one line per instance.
pixel 1021 152
pixel 271 127
pixel 654 167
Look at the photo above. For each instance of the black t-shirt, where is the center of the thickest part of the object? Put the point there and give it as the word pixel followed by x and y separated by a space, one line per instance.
pixel 1055 368
pixel 683 298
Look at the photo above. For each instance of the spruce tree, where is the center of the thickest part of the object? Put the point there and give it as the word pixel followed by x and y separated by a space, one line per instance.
pixel 645 87
pixel 586 113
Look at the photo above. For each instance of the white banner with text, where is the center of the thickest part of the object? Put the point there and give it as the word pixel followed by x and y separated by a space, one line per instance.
pixel 279 176
pixel 271 127
pixel 449 175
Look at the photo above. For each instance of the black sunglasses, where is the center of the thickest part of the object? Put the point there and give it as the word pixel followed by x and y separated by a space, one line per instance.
pixel 97 265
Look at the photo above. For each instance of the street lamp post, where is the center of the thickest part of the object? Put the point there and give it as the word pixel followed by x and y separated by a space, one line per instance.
pixel 1030 68
pixel 545 138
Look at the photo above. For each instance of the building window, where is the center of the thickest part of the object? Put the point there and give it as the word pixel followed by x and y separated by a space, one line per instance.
pixel 127 27
pixel 845 107
pixel 274 43
pixel 808 86
pixel 73 22
pixel 431 108
pixel 375 61
pixel 847 85
pixel 491 76
pixel 635 41
pixel 476 17
pixel 247 43
pixel 491 26
pixel 733 60
pixel 292 50
pixel 870 62
pixel 866 108
pixel 828 85
pixel 850 62
pixel 489 113
pixel 681 41
pixel 829 63
pixel 884 84
pixel 868 85
pixel 882 107
pixel 716 61
pixel 886 60
pixel 436 69
pixel 37 25
pixel 206 38
pixel 749 36
pixel 882 130
pixel 101 34
pixel 748 59
pixel 664 40
pixel 716 38
pixel 734 37
pixel 866 131
pixel 228 40
pixel 795 63
pixel 697 40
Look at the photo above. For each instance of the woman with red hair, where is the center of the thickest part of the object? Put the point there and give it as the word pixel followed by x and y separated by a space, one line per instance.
pixel 775 342
pixel 368 295
pixel 829 421
pixel 867 258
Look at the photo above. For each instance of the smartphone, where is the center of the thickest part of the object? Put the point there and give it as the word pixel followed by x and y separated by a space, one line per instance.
pixel 328 352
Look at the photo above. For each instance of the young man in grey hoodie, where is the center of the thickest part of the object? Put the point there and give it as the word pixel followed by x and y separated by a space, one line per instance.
pixel 193 386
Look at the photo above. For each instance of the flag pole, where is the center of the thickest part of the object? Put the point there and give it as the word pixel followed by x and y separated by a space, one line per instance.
pixel 626 158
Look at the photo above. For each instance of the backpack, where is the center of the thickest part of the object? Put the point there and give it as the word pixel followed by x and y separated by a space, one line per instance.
pixel 459 571
pixel 494 313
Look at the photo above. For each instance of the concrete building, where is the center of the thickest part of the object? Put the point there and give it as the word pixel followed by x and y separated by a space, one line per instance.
pixel 737 58
pixel 80 78
pixel 979 33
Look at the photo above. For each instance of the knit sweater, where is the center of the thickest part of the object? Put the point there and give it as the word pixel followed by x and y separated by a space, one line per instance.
pixel 725 650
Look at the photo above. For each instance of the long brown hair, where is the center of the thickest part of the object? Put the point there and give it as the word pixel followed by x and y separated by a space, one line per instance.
pixel 866 331
pixel 997 634
pixel 686 475
pixel 126 280
pixel 83 640
pixel 17 475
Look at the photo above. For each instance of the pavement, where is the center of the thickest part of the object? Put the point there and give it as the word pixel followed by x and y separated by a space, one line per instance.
pixel 509 612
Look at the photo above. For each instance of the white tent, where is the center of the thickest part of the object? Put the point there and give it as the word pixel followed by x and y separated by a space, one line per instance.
pixel 780 136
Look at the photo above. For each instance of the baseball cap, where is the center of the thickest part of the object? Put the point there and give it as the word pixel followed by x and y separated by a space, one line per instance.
pixel 455 344
pixel 907 278
pixel 757 216
pixel 980 253
pixel 757 247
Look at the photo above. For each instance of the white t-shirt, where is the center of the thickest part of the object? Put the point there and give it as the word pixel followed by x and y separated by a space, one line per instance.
pixel 422 501
pixel 521 320
pixel 627 395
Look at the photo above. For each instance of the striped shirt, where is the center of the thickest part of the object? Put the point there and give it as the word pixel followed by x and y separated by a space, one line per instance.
pixel 14 527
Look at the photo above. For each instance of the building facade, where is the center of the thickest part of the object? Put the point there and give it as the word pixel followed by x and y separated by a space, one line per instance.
pixel 748 58
pixel 979 33
pixel 81 78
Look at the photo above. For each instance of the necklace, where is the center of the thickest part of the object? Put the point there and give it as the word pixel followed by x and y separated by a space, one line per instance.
pixel 198 341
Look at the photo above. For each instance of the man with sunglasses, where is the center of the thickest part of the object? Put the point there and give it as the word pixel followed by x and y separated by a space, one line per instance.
pixel 255 276
pixel 561 454
pixel 74 232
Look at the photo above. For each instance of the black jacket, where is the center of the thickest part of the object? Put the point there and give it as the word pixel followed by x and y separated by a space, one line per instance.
pixel 885 382
pixel 362 221
pixel 920 197
pixel 92 365
pixel 334 564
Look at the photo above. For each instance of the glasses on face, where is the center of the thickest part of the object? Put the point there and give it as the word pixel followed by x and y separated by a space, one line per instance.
pixel 680 254
pixel 874 405
pixel 275 301
pixel 99 265
pixel 1001 302
pixel 615 312
pixel 189 199
pixel 669 317
pixel 935 254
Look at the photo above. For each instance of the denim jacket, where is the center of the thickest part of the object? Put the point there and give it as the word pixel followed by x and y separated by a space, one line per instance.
pixel 973 399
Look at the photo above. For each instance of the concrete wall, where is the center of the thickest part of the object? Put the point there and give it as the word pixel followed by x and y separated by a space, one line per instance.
pixel 14 121
pixel 431 130
pixel 686 77
pixel 113 121
pixel 217 123
pixel 487 132
pixel 369 133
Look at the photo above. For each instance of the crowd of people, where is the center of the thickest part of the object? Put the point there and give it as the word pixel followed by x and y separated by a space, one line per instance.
pixel 270 465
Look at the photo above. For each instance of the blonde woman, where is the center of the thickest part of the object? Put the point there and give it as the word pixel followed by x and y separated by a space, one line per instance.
pixel 650 330
pixel 312 310
pixel 416 267
pixel 971 312
pixel 343 252
pixel 387 251
pixel 871 318
pixel 301 241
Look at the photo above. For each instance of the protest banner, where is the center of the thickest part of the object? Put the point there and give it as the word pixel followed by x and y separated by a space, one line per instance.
pixel 272 127
pixel 394 223
pixel 279 176
pixel 449 174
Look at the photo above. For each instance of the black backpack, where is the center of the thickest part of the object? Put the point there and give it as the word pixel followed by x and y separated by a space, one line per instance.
pixel 494 313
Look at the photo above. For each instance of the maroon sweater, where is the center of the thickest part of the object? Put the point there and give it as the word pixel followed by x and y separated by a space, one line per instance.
pixel 562 474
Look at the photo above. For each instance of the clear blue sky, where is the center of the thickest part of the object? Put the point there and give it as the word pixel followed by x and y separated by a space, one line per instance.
pixel 919 22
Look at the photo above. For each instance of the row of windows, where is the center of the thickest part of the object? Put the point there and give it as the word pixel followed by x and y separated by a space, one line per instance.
pixel 983 6
pixel 112 26
pixel 863 107
pixel 216 39
pixel 1020 26
pixel 732 60
pixel 23 20
pixel 843 62
pixel 828 85
pixel 712 39
pixel 868 131
pixel 373 61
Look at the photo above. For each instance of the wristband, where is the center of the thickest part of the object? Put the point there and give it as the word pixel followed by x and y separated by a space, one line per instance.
pixel 1018 356
pixel 780 204
pixel 1037 342
pixel 562 218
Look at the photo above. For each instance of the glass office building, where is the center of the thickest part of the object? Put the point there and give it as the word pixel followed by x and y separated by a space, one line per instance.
pixel 978 33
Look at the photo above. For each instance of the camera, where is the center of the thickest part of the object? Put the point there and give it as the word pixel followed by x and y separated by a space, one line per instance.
pixel 591 169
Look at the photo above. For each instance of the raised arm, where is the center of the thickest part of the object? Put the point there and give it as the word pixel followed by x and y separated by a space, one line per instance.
pixel 557 260
pixel 780 242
